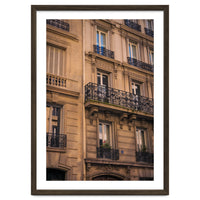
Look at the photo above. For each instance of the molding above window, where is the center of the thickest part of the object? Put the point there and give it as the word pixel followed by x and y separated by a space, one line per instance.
pixel 62 33
pixel 105 25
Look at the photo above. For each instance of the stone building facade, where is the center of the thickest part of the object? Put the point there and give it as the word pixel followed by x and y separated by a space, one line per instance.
pixel 100 87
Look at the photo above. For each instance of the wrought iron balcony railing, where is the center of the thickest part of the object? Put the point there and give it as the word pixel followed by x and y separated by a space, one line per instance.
pixel 59 24
pixel 103 51
pixel 132 25
pixel 54 80
pixel 149 32
pixel 144 157
pixel 108 153
pixel 140 64
pixel 117 97
pixel 58 141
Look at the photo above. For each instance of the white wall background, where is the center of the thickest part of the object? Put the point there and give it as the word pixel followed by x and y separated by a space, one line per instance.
pixel 15 82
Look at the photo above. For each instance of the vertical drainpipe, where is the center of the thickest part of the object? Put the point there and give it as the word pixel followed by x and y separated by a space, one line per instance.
pixel 83 101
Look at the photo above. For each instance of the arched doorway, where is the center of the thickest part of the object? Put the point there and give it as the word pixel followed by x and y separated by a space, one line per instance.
pixel 107 178
pixel 55 175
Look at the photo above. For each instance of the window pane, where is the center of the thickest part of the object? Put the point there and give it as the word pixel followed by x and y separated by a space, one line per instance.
pixel 47 118
pixel 98 38
pixel 98 79
pixel 100 135
pixel 134 51
pixel 103 40
pixel 106 138
pixel 142 138
pixel 137 89
pixel 105 80
pixel 129 47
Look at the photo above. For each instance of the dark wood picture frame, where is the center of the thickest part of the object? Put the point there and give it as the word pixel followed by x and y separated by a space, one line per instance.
pixel 34 9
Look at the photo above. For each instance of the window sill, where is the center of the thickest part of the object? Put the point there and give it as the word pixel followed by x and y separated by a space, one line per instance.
pixel 55 149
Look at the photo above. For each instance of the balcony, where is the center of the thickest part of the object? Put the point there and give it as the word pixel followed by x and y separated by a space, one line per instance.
pixel 119 98
pixel 103 51
pixel 59 24
pixel 55 80
pixel 132 25
pixel 149 32
pixel 140 64
pixel 108 153
pixel 144 157
pixel 56 141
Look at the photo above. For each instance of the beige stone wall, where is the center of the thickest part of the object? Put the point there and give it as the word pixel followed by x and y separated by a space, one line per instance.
pixel 120 75
pixel 81 128
pixel 70 98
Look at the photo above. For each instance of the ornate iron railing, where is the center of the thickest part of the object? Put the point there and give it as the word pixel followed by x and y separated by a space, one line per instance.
pixel 144 157
pixel 132 25
pixel 140 64
pixel 117 97
pixel 149 32
pixel 52 79
pixel 103 51
pixel 58 141
pixel 108 153
pixel 59 24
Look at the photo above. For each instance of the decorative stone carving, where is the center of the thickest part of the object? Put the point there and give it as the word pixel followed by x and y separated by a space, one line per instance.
pixel 115 70
pixel 106 66
pixel 132 118
pixel 93 114
pixel 122 119
pixel 107 115
pixel 88 166
pixel 93 111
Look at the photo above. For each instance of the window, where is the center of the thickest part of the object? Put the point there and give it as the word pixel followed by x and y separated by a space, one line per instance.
pixel 102 79
pixel 105 148
pixel 53 127
pixel 55 60
pixel 104 135
pixel 149 24
pixel 102 85
pixel 143 151
pixel 151 57
pixel 142 140
pixel 135 87
pixel 101 38
pixel 53 119
pixel 132 50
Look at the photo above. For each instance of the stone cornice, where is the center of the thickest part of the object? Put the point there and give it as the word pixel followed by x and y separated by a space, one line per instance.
pixel 62 33
pixel 63 91
pixel 112 162
pixel 135 32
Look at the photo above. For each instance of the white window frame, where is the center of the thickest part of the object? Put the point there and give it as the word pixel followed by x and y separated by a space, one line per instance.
pixel 103 133
pixel 135 83
pixel 130 49
pixel 139 140
pixel 106 38
pixel 101 77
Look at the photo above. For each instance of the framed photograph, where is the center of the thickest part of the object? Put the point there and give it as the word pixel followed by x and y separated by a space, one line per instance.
pixel 100 100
